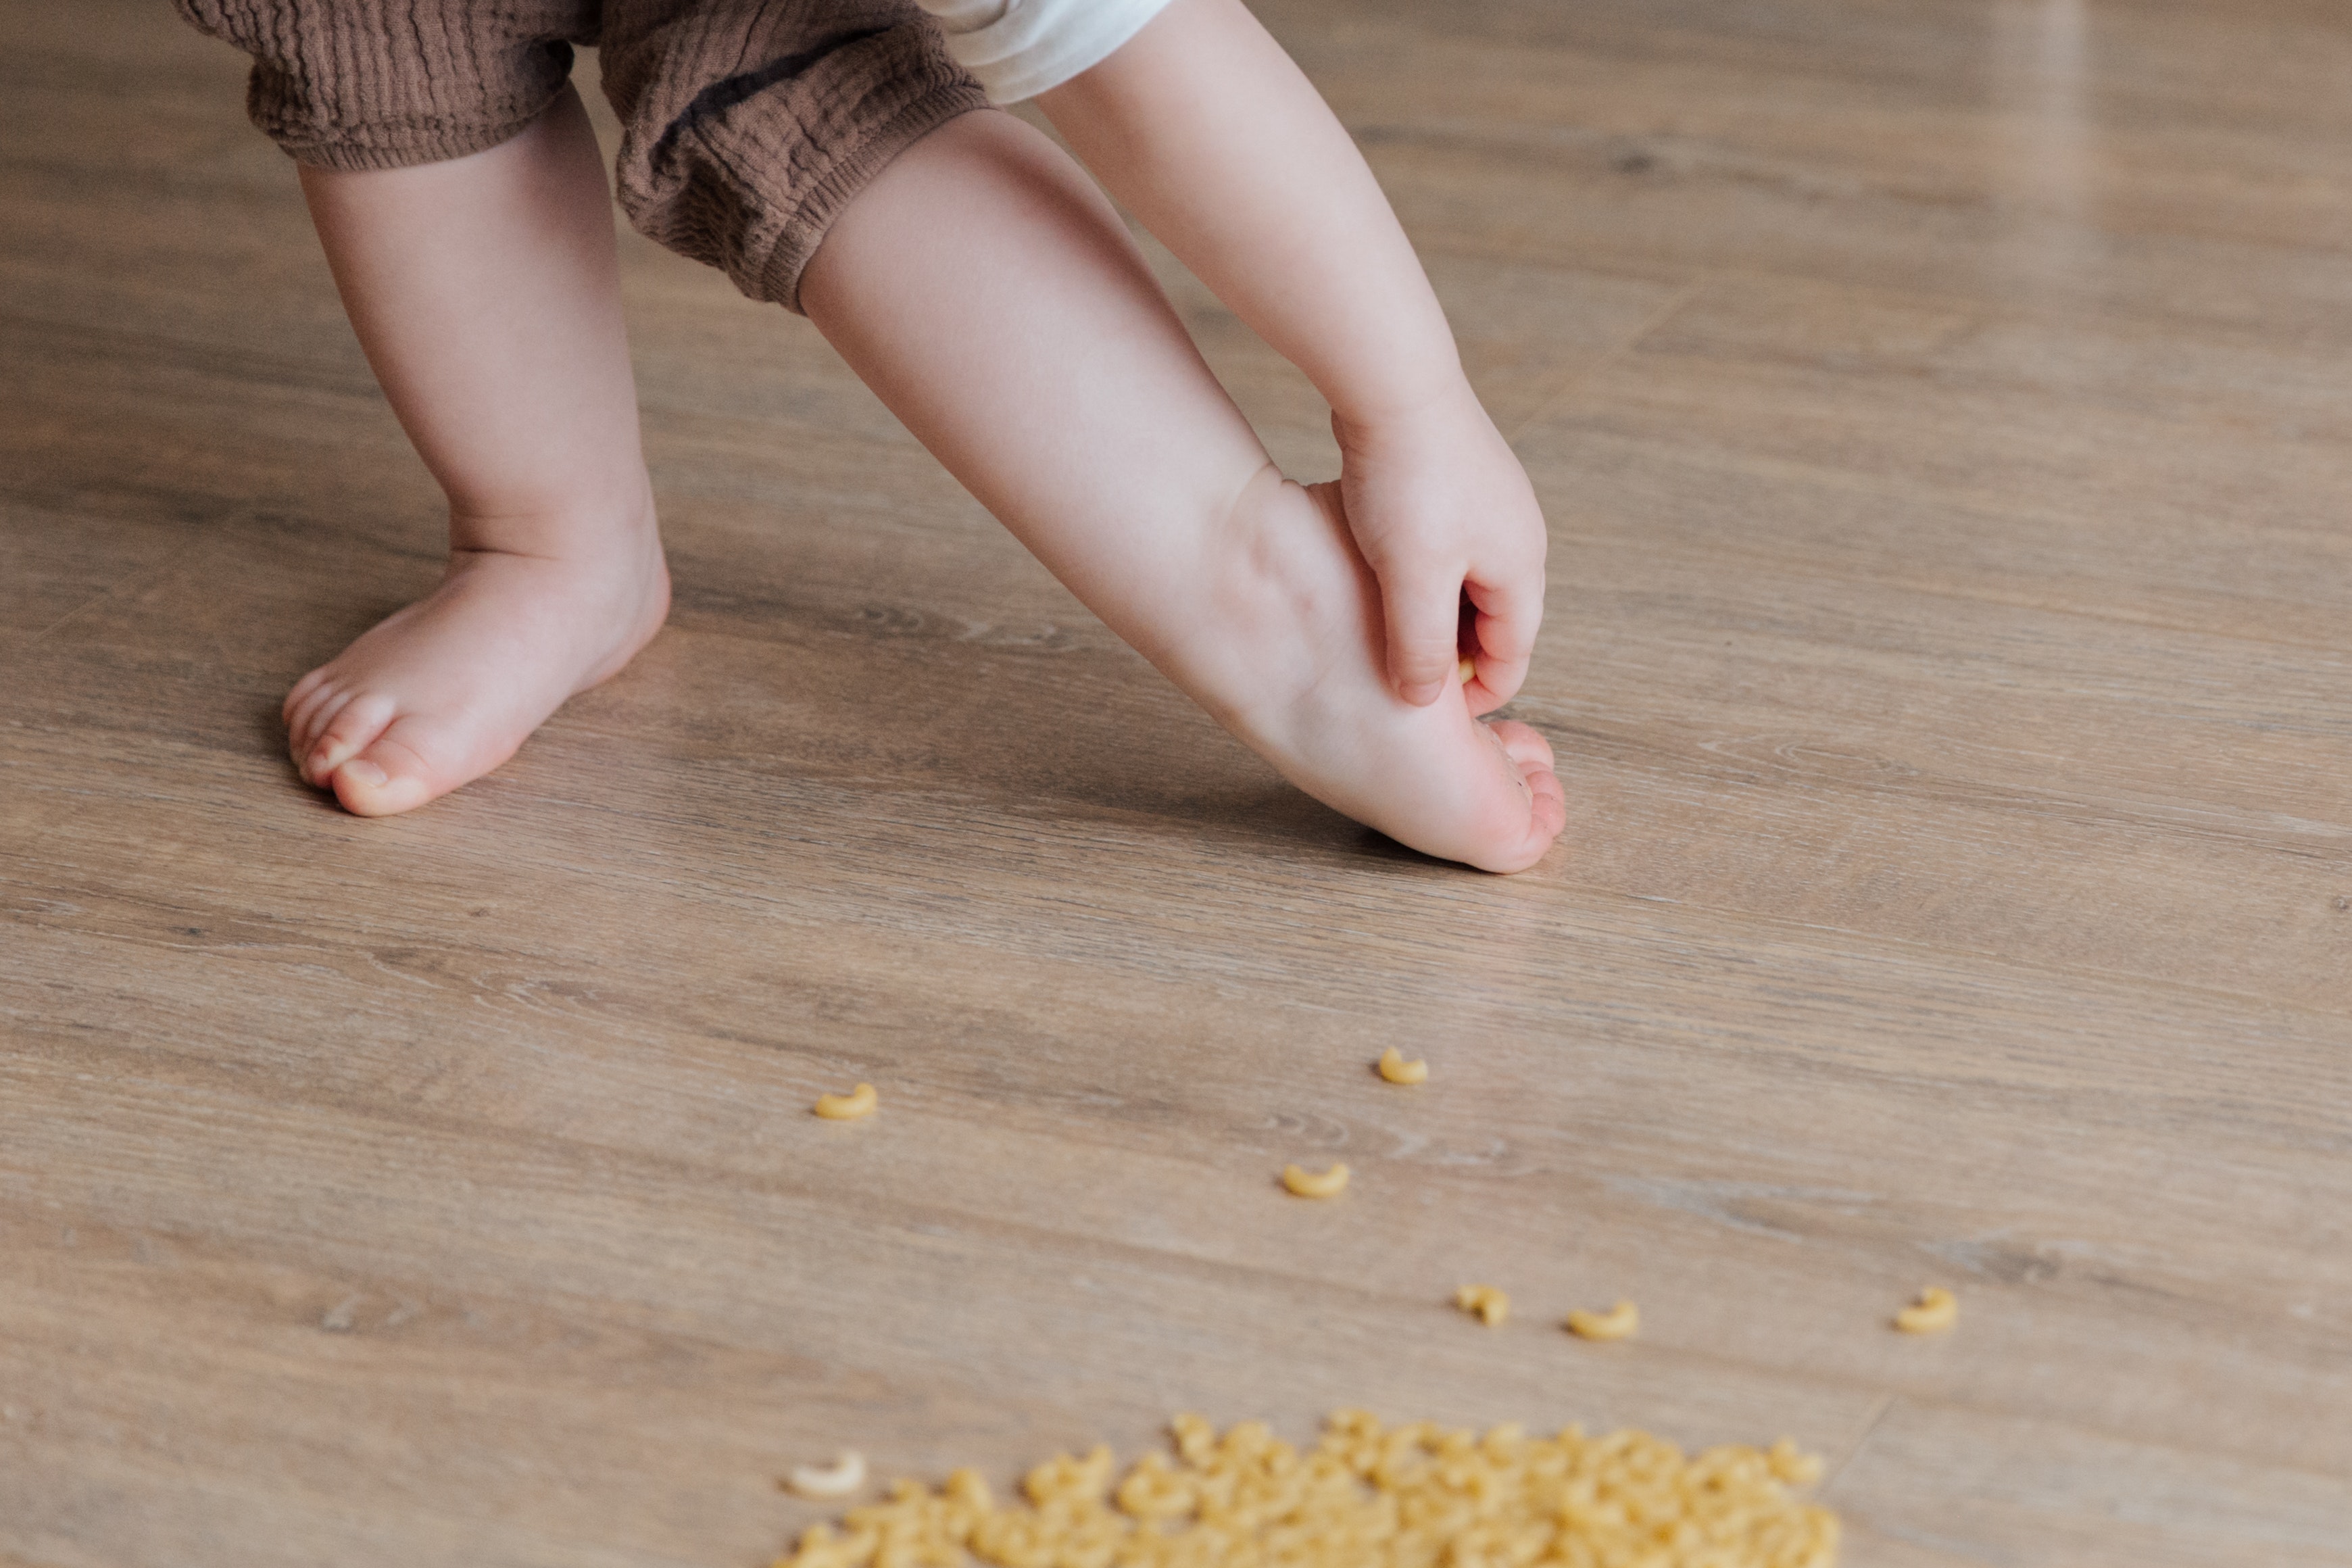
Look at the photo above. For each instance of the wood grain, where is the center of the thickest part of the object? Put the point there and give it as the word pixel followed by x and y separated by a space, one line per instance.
pixel 1938 408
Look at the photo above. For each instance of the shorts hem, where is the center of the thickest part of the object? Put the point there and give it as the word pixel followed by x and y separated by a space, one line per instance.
pixel 406 152
pixel 805 231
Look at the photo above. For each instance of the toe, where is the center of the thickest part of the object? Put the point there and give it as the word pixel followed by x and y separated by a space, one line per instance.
pixel 1523 744
pixel 1546 813
pixel 306 709
pixel 303 693
pixel 343 733
pixel 311 721
pixel 414 761
pixel 1542 805
pixel 387 778
pixel 1549 812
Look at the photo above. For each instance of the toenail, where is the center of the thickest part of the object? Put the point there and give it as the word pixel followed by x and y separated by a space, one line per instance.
pixel 366 772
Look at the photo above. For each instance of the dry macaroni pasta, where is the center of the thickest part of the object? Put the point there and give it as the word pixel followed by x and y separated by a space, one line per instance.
pixel 859 1102
pixel 1490 1305
pixel 1936 1310
pixel 843 1477
pixel 1621 1321
pixel 1305 1184
pixel 1365 1496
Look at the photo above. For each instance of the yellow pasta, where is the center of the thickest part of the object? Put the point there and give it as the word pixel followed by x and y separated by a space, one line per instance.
pixel 1789 1465
pixel 1364 1496
pixel 1396 1070
pixel 1469 670
pixel 1936 1310
pixel 1621 1321
pixel 1329 1184
pixel 1483 1302
pixel 859 1102
pixel 840 1478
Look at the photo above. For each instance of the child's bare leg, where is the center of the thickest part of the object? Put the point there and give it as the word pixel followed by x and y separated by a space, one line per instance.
pixel 486 291
pixel 985 289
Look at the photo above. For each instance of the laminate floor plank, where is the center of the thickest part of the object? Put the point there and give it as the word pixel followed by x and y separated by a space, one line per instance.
pixel 1966 450
pixel 1891 1167
pixel 2179 1511
pixel 1762 743
pixel 59 563
pixel 1997 152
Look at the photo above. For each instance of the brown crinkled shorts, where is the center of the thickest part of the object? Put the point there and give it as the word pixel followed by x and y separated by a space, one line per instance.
pixel 748 124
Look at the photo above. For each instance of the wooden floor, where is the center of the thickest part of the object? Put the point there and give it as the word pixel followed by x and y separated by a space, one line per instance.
pixel 1944 413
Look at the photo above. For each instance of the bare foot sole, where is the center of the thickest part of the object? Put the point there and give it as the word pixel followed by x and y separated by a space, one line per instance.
pixel 1292 660
pixel 441 692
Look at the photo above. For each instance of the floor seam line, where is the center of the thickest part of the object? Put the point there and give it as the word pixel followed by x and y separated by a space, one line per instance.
pixel 1854 1451
pixel 170 559
pixel 1608 360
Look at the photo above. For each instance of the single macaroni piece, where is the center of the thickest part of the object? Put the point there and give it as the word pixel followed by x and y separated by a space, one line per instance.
pixel 1792 1465
pixel 1483 1302
pixel 1469 670
pixel 1936 1310
pixel 1364 1496
pixel 1396 1070
pixel 1621 1321
pixel 1329 1184
pixel 843 1477
pixel 859 1102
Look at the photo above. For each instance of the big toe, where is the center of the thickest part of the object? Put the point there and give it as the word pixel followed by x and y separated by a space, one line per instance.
pixel 389 777
pixel 1523 744
pixel 1525 838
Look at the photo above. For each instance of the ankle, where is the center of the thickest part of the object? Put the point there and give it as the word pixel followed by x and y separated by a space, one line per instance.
pixel 1261 642
pixel 598 573
pixel 601 529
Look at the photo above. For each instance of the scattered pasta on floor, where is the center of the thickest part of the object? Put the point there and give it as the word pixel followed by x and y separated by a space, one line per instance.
pixel 859 1102
pixel 1936 1310
pixel 1621 1321
pixel 1365 1496
pixel 1307 1183
pixel 1490 1305
pixel 838 1480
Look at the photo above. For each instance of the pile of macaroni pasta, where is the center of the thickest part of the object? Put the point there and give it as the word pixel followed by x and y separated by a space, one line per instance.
pixel 1419 1495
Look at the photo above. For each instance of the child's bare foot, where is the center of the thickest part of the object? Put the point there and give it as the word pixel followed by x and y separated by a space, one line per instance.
pixel 439 694
pixel 1289 654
